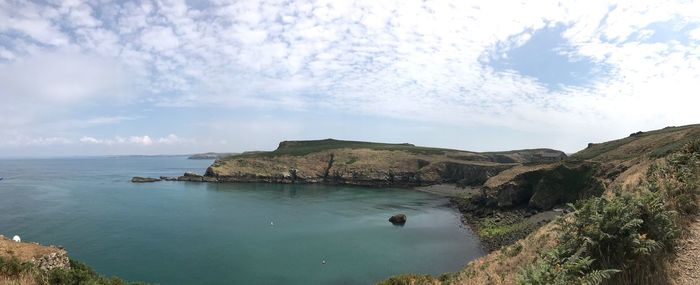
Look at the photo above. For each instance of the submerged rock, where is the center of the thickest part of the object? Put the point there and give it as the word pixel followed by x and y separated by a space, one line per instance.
pixel 138 179
pixel 398 220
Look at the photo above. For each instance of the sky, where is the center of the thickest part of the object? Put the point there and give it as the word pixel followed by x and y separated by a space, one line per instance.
pixel 107 77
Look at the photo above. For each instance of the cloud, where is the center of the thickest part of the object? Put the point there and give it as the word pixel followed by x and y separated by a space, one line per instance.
pixel 160 38
pixel 20 141
pixel 135 140
pixel 62 78
pixel 409 60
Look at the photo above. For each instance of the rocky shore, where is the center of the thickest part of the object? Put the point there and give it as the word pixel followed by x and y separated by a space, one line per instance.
pixel 45 258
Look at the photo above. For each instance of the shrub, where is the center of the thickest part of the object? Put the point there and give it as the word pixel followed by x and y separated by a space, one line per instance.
pixel 13 267
pixel 677 178
pixel 555 268
pixel 79 273
pixel 624 239
pixel 409 279
pixel 627 234
pixel 512 250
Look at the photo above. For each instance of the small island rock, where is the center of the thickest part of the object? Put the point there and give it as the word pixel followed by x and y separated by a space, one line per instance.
pixel 138 179
pixel 399 219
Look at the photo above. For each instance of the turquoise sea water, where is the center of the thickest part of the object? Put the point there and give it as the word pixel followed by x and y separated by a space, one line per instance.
pixel 199 233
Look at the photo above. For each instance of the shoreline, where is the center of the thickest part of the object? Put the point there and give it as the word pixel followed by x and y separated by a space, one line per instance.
pixel 494 227
pixel 449 190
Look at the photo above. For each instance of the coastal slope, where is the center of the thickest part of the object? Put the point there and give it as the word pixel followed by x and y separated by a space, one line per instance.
pixel 370 164
pixel 29 263
pixel 646 177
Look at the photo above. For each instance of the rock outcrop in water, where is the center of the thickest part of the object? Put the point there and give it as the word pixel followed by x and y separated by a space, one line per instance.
pixel 368 164
pixel 398 220
pixel 138 179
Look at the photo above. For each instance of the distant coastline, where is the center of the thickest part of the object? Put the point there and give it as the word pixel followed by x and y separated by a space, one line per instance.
pixel 211 155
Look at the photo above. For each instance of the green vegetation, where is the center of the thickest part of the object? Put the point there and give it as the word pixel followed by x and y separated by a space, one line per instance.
pixel 657 143
pixel 408 279
pixel 299 148
pixel 493 228
pixel 678 178
pixel 352 160
pixel 78 274
pixel 626 238
pixel 13 267
pixel 512 250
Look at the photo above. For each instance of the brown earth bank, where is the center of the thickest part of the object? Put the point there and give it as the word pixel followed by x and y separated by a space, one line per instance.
pixel 44 257
pixel 512 211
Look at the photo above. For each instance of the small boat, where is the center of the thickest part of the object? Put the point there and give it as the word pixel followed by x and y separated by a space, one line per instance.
pixel 1 178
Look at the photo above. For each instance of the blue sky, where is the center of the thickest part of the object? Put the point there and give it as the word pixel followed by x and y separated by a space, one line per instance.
pixel 158 77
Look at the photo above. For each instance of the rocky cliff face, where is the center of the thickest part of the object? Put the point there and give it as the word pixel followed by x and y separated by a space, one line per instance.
pixel 618 163
pixel 544 186
pixel 368 164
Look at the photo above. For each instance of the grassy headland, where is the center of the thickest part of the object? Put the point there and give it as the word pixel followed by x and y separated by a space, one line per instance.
pixel 25 263
pixel 370 164
pixel 627 233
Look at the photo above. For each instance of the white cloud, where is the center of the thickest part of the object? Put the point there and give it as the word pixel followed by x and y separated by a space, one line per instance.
pixel 695 34
pixel 90 140
pixel 136 140
pixel 160 38
pixel 62 78
pixel 413 60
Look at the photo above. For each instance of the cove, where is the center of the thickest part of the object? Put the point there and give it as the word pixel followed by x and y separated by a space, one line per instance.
pixel 210 233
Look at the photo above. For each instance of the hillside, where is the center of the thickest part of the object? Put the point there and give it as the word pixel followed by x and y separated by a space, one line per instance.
pixel 28 263
pixel 635 218
pixel 649 144
pixel 600 166
pixel 370 164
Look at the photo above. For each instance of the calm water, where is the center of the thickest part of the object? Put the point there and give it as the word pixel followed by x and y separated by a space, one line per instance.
pixel 197 233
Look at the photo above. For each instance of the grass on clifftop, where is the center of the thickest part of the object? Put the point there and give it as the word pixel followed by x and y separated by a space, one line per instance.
pixel 299 148
pixel 657 143
pixel 15 271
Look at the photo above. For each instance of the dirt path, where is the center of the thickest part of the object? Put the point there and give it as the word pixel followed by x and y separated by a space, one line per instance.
pixel 685 269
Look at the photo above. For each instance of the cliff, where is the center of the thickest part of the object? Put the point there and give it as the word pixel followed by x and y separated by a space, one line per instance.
pixel 623 189
pixel 370 164
pixel 43 257
pixel 28 263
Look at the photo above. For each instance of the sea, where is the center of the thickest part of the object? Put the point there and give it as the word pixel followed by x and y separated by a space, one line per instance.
pixel 226 233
